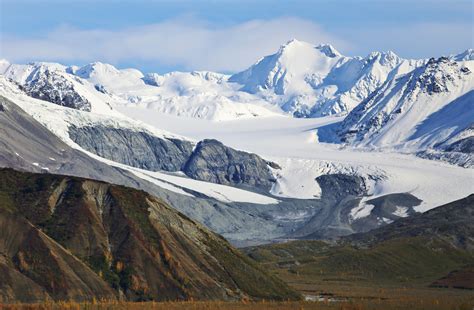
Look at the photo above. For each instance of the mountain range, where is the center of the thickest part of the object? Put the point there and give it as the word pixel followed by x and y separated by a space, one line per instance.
pixel 301 79
pixel 304 144
pixel 344 123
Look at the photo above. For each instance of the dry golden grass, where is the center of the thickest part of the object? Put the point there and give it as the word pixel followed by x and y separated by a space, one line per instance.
pixel 360 304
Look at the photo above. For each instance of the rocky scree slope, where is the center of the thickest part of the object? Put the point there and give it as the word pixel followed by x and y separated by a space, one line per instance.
pixel 72 238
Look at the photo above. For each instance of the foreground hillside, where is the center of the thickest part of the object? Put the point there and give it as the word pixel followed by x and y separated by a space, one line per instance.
pixel 67 238
pixel 429 254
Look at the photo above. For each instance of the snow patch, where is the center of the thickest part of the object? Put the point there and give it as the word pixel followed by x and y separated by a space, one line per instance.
pixel 361 211
pixel 401 211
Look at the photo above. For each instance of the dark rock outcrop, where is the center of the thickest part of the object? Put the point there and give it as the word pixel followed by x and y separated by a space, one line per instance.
pixel 50 86
pixel 210 161
pixel 465 145
pixel 214 162
pixel 134 148
pixel 338 186
pixel 339 193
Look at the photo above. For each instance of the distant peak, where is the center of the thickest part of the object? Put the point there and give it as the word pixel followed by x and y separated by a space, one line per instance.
pixel 85 71
pixel 385 58
pixel 328 50
pixel 98 64
pixel 4 64
pixel 292 44
pixel 466 55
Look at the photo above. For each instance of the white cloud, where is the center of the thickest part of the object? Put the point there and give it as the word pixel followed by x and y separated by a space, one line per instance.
pixel 414 40
pixel 185 42
pixel 194 44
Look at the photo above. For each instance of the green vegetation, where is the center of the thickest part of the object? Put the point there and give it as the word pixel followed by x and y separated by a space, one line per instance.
pixel 101 266
pixel 393 272
pixel 249 276
pixel 406 261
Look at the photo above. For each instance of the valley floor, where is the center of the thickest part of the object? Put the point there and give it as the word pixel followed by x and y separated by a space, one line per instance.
pixel 397 300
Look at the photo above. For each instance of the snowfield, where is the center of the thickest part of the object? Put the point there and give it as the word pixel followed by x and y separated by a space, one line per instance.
pixel 292 143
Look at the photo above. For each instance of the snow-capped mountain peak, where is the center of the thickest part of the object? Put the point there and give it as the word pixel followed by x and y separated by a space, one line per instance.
pixel 95 69
pixel 109 77
pixel 328 50
pixel 293 69
pixel 389 58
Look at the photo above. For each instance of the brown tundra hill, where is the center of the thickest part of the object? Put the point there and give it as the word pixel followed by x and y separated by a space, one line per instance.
pixel 68 238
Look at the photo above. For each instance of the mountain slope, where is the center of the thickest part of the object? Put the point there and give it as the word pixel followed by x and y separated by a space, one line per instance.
pixel 53 82
pixel 451 223
pixel 390 115
pixel 29 146
pixel 35 267
pixel 430 108
pixel 123 239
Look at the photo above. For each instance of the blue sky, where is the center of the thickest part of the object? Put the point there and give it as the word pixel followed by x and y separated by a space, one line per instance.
pixel 225 35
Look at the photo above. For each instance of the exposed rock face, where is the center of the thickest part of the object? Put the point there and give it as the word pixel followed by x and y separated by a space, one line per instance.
pixel 214 162
pixel 338 186
pixel 433 81
pixel 465 160
pixel 50 86
pixel 386 209
pixel 465 145
pixel 72 238
pixel 210 161
pixel 133 148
